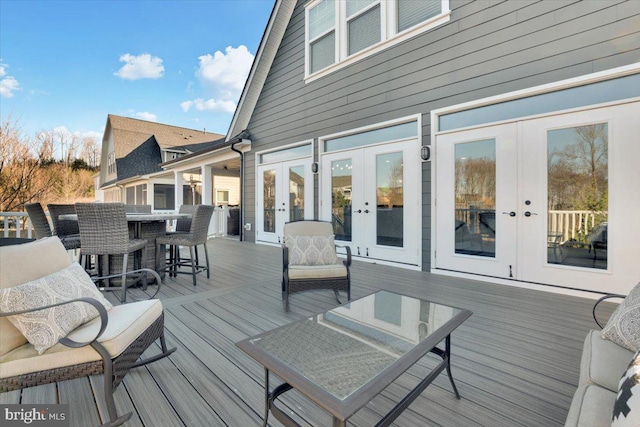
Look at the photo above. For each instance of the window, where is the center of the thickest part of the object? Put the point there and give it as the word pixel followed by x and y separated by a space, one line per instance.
pixel 222 197
pixel 172 155
pixel 111 163
pixel 341 32
pixel 163 197
pixel 296 152
pixel 137 195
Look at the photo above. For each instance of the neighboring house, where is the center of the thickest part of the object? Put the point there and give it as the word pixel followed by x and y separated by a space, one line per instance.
pixel 407 122
pixel 132 154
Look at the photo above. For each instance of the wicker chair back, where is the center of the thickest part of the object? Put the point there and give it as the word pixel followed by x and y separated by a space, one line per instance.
pixel 63 227
pixel 200 224
pixel 103 228
pixel 38 220
pixel 184 225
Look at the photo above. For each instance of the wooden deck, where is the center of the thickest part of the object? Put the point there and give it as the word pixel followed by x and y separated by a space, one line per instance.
pixel 515 361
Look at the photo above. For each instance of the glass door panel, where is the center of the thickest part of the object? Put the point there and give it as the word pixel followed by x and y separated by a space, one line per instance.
pixel 269 201
pixel 395 196
pixel 475 198
pixel 581 181
pixel 296 193
pixel 577 196
pixel 341 191
pixel 390 199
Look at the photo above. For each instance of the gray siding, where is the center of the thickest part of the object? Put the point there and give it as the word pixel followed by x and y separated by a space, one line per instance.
pixel 487 48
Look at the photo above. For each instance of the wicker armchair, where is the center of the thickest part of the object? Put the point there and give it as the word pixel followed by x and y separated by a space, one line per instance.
pixel 105 234
pixel 67 230
pixel 197 235
pixel 310 262
pixel 110 344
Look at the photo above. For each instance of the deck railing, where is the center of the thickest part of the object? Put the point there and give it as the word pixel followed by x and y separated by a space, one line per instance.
pixel 573 225
pixel 17 224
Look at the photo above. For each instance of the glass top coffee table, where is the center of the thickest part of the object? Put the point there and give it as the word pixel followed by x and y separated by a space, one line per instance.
pixel 343 358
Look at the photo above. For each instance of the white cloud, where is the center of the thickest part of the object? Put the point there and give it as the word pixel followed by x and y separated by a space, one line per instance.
pixel 8 84
pixel 144 115
pixel 226 72
pixel 223 74
pixel 210 105
pixel 142 66
pixel 64 134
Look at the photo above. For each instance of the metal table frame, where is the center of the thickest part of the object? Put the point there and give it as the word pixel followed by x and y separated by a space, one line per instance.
pixel 342 410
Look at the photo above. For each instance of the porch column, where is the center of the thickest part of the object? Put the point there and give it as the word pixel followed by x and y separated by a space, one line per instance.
pixel 177 179
pixel 207 185
pixel 150 193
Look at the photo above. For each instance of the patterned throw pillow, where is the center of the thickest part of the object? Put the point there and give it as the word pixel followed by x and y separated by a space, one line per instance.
pixel 43 328
pixel 311 250
pixel 626 411
pixel 623 327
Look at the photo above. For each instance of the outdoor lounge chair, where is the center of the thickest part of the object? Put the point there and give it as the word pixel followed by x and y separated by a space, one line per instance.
pixel 109 344
pixel 310 262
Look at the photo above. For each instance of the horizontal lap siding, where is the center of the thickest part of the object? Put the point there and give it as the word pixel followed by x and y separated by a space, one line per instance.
pixel 486 49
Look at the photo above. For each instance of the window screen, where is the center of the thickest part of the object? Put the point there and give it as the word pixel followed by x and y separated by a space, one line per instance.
pixel 364 30
pixel 412 12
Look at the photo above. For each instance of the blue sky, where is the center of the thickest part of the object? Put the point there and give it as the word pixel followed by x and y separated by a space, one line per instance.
pixel 67 64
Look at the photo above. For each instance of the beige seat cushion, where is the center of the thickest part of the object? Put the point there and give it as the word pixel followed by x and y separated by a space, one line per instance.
pixel 23 263
pixel 603 362
pixel 126 323
pixel 592 406
pixel 317 271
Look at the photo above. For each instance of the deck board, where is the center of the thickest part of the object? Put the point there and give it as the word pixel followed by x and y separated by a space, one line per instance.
pixel 515 360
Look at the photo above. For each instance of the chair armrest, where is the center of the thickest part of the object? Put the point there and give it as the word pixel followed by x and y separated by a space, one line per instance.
pixel 128 273
pixel 285 257
pixel 104 318
pixel 347 262
pixel 604 298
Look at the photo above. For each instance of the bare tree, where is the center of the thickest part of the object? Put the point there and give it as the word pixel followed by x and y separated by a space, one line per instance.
pixel 20 160
pixel 90 151
pixel 578 170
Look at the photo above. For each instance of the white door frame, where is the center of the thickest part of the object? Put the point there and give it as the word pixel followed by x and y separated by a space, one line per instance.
pixel 363 201
pixel 281 197
pixel 529 243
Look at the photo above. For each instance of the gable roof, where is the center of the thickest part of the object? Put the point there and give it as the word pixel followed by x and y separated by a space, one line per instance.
pixel 271 39
pixel 138 144
pixel 129 133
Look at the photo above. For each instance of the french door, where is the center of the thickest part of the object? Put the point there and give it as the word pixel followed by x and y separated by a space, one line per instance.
pixel 285 193
pixel 549 200
pixel 372 197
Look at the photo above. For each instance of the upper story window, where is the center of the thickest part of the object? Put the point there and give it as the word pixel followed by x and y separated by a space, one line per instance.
pixel 111 163
pixel 172 155
pixel 339 32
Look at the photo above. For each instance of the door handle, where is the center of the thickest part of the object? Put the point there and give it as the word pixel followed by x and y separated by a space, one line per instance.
pixel 512 213
pixel 528 214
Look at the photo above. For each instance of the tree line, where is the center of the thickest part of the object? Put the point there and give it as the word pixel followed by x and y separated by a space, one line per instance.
pixel 49 167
